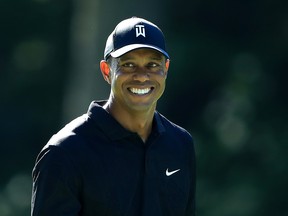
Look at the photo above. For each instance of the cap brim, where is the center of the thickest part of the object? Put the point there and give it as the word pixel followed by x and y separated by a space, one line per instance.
pixel 131 47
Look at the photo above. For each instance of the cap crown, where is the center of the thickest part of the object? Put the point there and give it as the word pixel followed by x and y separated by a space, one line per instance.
pixel 134 33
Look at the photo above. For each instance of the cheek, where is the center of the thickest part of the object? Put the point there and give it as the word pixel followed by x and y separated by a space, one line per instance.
pixel 117 81
pixel 161 76
pixel 162 72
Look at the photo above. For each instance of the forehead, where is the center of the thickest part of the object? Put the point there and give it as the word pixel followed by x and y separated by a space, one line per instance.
pixel 143 52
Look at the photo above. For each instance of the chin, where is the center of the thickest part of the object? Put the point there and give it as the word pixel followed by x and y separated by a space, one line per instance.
pixel 142 106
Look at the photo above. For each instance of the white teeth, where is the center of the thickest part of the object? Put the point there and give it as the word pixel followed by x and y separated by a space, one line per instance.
pixel 140 91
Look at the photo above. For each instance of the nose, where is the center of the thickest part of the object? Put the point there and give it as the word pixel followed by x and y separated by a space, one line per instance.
pixel 141 75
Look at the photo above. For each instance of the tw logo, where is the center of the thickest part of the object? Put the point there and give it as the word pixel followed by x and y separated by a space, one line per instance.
pixel 140 30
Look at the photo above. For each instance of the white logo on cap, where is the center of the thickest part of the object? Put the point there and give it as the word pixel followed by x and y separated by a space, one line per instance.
pixel 140 30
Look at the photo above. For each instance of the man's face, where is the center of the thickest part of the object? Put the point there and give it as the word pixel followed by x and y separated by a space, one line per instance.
pixel 138 79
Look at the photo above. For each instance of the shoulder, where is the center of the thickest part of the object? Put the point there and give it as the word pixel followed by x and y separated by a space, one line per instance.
pixel 63 148
pixel 70 133
pixel 175 129
pixel 66 141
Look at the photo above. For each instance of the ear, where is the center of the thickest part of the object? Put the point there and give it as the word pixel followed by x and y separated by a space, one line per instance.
pixel 105 70
pixel 167 63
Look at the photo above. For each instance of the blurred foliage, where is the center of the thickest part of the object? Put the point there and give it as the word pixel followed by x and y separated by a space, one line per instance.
pixel 225 85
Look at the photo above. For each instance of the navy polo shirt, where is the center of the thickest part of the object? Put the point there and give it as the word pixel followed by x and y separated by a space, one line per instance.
pixel 95 167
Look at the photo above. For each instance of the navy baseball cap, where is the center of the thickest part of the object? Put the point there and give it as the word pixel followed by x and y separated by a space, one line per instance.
pixel 134 33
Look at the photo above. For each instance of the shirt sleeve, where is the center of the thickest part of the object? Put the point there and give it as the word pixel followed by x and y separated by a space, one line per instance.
pixel 56 184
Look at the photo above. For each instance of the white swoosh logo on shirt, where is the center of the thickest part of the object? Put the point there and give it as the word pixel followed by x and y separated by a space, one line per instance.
pixel 172 172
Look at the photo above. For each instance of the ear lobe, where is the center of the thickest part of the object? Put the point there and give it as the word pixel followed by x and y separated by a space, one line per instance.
pixel 105 70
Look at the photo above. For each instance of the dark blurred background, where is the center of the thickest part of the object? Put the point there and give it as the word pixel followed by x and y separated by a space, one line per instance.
pixel 226 85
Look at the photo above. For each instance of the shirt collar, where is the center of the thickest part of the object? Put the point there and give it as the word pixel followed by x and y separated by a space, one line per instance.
pixel 114 130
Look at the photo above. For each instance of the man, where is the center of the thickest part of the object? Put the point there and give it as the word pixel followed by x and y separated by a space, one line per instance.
pixel 122 158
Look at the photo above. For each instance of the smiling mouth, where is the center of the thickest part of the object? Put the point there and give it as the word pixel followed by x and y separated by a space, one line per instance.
pixel 140 91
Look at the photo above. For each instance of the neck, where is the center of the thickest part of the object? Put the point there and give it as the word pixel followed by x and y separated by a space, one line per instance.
pixel 139 122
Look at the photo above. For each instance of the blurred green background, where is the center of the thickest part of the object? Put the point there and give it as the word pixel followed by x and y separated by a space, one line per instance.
pixel 226 85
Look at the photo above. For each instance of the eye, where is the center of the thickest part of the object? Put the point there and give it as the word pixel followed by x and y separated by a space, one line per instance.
pixel 128 65
pixel 153 65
